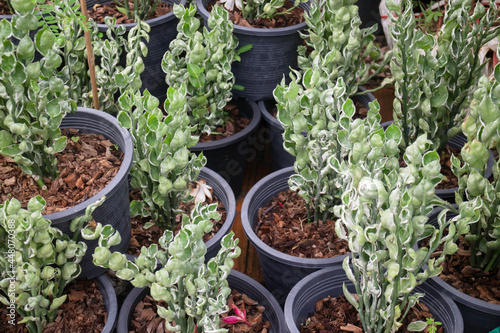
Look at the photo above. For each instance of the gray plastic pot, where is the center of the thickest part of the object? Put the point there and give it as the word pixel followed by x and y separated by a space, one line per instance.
pixel 458 141
pixel 236 280
pixel 479 316
pixel 228 156
pixel 281 271
pixel 273 52
pixel 163 31
pixel 109 297
pixel 115 210
pixel 279 156
pixel 329 281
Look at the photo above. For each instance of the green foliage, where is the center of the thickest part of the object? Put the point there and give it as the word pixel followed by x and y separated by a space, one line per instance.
pixel 339 47
pixel 255 9
pixel 203 61
pixel 38 262
pixel 383 215
pixel 163 166
pixel 33 96
pixel 141 9
pixel 428 15
pixel 478 197
pixel 317 118
pixel 435 75
pixel 195 292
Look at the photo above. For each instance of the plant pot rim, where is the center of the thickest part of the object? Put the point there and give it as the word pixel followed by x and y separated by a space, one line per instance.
pixel 122 173
pixel 333 272
pixel 459 296
pixel 261 246
pixel 238 29
pixel 241 135
pixel 137 294
pixel 109 296
pixel 152 22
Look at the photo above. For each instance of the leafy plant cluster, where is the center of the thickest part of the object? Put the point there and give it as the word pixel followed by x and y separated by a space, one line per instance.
pixel 203 60
pixel 478 196
pixel 39 261
pixel 435 75
pixel 140 9
pixel 195 292
pixel 383 215
pixel 255 9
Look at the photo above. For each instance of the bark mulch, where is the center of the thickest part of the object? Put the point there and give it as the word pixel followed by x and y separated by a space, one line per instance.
pixel 84 311
pixel 86 166
pixel 336 314
pixel 4 8
pixel 236 123
pixel 284 226
pixel 146 320
pixel 100 11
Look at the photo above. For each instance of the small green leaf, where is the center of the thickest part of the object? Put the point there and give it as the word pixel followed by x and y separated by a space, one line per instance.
pixel 417 326
pixel 124 120
pixel 59 144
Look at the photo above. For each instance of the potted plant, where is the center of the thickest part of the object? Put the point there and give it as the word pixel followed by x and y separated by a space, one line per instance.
pixel 162 32
pixel 30 133
pixel 435 75
pixel 194 293
pixel 383 215
pixel 202 60
pixel 332 42
pixel 40 265
pixel 477 202
pixel 273 50
pixel 313 176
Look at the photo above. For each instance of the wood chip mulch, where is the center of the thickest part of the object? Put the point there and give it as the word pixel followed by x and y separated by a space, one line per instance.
pixel 236 123
pixel 336 314
pixel 84 311
pixel 146 320
pixel 145 237
pixel 296 16
pixel 4 8
pixel 100 11
pixel 86 166
pixel 284 226
pixel 458 272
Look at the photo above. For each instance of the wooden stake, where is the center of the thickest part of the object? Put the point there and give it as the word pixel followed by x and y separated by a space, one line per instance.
pixel 90 56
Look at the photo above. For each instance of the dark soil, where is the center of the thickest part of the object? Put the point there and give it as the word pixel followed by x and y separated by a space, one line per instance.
pixel 99 12
pixel 85 167
pixel 146 320
pixel 458 272
pixel 145 237
pixel 84 311
pixel 296 16
pixel 4 8
pixel 284 226
pixel 236 123
pixel 336 314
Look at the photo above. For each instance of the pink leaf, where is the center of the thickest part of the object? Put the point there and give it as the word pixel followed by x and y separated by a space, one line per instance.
pixel 231 319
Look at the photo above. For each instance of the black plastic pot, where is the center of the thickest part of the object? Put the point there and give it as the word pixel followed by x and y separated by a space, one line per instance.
pixel 262 68
pixel 115 210
pixel 109 297
pixel 228 156
pixel 457 142
pixel 329 281
pixel 223 191
pixel 479 316
pixel 163 31
pixel 279 156
pixel 236 280
pixel 281 271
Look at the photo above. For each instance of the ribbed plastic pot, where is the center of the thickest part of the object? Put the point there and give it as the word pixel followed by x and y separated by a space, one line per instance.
pixel 163 31
pixel 279 156
pixel 457 142
pixel 273 52
pixel 479 316
pixel 281 271
pixel 223 191
pixel 109 297
pixel 236 280
pixel 115 210
pixel 329 281
pixel 228 156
